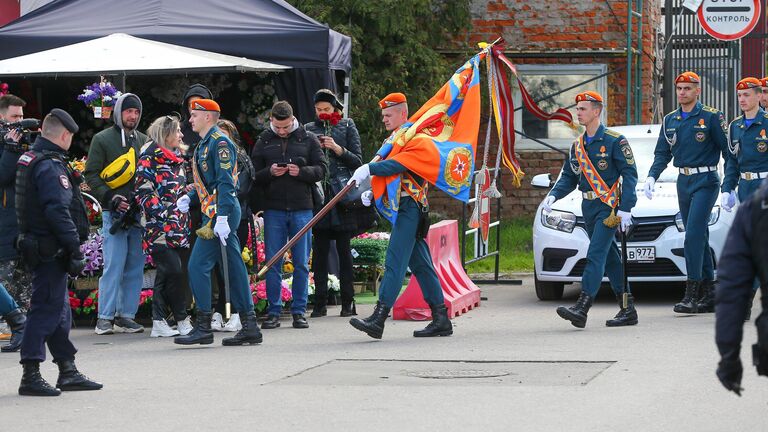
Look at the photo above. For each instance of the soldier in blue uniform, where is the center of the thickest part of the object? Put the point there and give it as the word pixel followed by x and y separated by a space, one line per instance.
pixel 694 134
pixel 744 257
pixel 52 225
pixel 407 247
pixel 748 162
pixel 214 169
pixel 602 166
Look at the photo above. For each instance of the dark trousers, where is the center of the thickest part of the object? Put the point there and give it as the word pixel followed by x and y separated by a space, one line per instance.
pixel 169 284
pixel 49 317
pixel 320 265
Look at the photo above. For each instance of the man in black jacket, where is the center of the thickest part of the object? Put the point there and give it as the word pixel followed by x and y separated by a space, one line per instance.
pixel 16 280
pixel 288 161
pixel 744 257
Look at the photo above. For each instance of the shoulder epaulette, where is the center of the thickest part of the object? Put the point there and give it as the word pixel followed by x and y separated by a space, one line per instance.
pixel 612 133
pixel 737 119
pixel 216 135
pixel 708 108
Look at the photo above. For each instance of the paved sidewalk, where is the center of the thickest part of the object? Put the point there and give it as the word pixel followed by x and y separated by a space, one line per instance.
pixel 511 364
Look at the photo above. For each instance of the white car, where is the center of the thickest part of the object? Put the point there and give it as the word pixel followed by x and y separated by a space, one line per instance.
pixel 654 247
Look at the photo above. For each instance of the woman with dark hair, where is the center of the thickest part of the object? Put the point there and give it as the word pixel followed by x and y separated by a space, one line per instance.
pixel 160 181
pixel 340 141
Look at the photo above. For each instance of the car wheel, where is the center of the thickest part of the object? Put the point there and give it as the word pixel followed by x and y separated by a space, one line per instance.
pixel 548 290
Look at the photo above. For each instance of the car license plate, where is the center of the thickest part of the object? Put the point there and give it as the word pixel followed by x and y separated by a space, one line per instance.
pixel 641 254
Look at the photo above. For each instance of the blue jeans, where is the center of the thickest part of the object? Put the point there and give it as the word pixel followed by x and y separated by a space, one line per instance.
pixel 6 302
pixel 120 284
pixel 279 227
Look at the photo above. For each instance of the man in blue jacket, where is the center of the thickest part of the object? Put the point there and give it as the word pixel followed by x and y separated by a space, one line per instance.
pixel 601 164
pixel 694 134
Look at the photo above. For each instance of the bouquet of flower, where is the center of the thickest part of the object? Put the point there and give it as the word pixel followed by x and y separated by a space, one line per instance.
pixel 145 298
pixel 3 89
pixel 74 302
pixel 100 96
pixel 374 236
pixel 90 303
pixel 94 258
pixel 329 121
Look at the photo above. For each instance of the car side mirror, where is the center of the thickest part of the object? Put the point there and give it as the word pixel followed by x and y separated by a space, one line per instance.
pixel 542 181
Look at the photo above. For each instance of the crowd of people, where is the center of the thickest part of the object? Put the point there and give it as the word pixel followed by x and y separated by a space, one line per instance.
pixel 185 192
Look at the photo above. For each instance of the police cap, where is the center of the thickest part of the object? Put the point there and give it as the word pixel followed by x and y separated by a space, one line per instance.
pixel 65 119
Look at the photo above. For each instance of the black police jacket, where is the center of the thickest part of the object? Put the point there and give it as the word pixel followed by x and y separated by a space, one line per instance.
pixel 49 198
pixel 8 227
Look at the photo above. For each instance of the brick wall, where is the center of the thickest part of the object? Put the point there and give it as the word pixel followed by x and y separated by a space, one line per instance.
pixel 538 33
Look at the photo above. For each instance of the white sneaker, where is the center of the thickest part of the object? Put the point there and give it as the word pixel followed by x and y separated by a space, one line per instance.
pixel 160 328
pixel 233 325
pixel 217 322
pixel 185 326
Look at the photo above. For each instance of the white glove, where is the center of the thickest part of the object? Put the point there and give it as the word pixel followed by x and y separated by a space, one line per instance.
pixel 183 203
pixel 360 175
pixel 366 198
pixel 626 220
pixel 728 200
pixel 548 203
pixel 650 187
pixel 221 229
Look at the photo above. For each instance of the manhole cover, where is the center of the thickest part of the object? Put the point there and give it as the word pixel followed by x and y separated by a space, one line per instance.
pixel 455 374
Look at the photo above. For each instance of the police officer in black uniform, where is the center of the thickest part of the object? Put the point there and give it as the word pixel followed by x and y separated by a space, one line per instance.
pixel 745 256
pixel 52 225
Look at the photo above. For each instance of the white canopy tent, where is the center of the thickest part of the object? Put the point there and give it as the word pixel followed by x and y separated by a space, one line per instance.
pixel 122 54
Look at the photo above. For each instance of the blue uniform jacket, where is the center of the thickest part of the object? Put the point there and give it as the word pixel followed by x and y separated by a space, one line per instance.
pixel 736 274
pixel 694 141
pixel 612 156
pixel 8 227
pixel 748 149
pixel 216 156
pixel 50 197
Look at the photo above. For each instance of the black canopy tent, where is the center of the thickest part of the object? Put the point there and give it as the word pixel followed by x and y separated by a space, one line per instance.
pixel 267 30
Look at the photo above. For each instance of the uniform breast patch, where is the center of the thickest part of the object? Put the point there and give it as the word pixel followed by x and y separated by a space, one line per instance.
pixel 602 164
pixel 701 136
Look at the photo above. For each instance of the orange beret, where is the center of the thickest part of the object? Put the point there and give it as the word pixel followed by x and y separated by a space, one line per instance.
pixel 688 77
pixel 589 96
pixel 764 81
pixel 392 99
pixel 748 83
pixel 204 105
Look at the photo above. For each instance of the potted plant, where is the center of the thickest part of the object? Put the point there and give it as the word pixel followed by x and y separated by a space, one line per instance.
pixel 100 97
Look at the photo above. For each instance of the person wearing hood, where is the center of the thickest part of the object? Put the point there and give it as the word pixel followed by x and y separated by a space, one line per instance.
pixel 110 173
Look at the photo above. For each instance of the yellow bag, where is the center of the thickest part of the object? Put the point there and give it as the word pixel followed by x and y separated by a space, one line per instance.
pixel 120 171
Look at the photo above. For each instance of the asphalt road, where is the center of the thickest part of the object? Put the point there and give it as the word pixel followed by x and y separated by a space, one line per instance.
pixel 511 364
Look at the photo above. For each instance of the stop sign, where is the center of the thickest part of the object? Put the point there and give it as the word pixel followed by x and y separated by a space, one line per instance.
pixel 729 19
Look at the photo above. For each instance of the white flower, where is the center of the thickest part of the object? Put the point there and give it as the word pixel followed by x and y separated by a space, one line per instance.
pixel 89 92
pixel 333 283
pixel 107 98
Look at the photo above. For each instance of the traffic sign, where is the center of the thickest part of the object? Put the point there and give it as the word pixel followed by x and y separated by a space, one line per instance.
pixel 729 19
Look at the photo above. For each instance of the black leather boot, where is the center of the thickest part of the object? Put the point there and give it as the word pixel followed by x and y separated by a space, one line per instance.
pixel 348 309
pixel 201 334
pixel 70 379
pixel 16 321
pixel 33 384
pixel 688 304
pixel 374 324
pixel 706 303
pixel 440 325
pixel 577 314
pixel 249 334
pixel 626 316
pixel 319 310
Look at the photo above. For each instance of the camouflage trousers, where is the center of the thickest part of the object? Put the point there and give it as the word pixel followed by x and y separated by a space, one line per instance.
pixel 17 281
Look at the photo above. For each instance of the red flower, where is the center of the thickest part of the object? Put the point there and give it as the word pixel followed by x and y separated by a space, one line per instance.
pixel 88 302
pixel 333 118
pixel 74 302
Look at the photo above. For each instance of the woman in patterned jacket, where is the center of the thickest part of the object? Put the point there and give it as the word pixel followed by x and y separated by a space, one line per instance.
pixel 160 181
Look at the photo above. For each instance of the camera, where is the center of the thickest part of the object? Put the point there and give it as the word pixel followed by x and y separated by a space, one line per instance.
pixel 28 128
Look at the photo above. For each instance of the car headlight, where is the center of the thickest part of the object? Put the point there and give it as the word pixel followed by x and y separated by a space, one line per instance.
pixel 558 220
pixel 714 215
